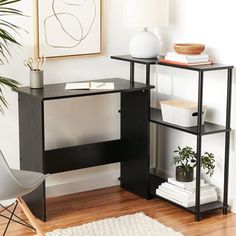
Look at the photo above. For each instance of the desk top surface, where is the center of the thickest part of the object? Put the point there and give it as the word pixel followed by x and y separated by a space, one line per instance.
pixel 57 91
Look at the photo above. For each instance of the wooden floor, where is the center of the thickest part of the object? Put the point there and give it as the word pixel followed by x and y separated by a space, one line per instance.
pixel 77 209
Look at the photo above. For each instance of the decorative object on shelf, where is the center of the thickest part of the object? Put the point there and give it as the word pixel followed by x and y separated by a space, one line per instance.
pixel 36 71
pixel 36 79
pixel 68 28
pixel 181 112
pixel 184 176
pixel 185 160
pixel 184 194
pixel 7 40
pixel 187 60
pixel 144 14
pixel 189 48
pixel 210 62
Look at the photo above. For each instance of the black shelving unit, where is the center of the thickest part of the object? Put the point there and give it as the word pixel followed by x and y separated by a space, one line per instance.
pixel 199 131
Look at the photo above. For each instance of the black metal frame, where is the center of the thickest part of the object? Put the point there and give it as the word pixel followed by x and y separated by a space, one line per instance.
pixel 199 145
pixel 199 142
pixel 227 140
pixel 199 131
pixel 12 214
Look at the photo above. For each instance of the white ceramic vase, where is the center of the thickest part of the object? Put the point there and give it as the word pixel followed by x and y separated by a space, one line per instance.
pixel 145 45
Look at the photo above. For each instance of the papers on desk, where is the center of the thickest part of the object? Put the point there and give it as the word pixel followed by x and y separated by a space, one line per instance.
pixel 90 85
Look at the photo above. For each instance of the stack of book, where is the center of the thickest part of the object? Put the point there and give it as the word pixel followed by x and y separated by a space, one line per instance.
pixel 183 193
pixel 186 60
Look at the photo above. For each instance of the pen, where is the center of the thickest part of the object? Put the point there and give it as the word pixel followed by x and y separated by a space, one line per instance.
pixel 100 85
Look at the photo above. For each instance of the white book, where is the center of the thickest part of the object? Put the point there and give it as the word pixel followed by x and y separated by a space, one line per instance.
pixel 184 60
pixel 173 195
pixel 165 195
pixel 205 200
pixel 187 196
pixel 185 192
pixel 185 185
pixel 186 199
pixel 184 56
pixel 177 189
pixel 89 85
pixel 210 195
pixel 204 187
pixel 81 85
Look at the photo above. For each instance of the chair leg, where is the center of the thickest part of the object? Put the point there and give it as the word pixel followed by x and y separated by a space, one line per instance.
pixel 30 216
pixel 10 219
pixel 18 219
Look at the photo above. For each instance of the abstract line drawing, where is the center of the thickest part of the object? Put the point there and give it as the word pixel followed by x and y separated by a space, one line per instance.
pixel 68 25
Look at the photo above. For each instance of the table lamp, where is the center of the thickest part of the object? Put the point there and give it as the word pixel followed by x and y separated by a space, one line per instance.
pixel 144 14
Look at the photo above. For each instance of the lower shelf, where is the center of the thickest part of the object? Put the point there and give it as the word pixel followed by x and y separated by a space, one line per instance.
pixel 157 179
pixel 203 208
pixel 208 207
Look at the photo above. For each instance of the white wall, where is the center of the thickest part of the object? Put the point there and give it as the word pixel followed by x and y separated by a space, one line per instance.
pixel 204 21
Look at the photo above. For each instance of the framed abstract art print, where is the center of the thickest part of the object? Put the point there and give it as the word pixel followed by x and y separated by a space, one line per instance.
pixel 68 27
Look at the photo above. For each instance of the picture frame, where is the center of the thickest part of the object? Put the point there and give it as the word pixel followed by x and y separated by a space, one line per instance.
pixel 68 28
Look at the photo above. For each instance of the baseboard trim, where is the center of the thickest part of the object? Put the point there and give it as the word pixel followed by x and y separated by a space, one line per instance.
pixel 95 182
pixel 232 204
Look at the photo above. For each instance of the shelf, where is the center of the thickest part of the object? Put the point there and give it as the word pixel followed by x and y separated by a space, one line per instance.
pixel 208 207
pixel 207 128
pixel 212 206
pixel 153 61
pixel 212 67
pixel 157 179
pixel 128 58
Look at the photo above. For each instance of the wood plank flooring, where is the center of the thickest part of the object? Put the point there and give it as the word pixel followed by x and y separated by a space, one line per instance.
pixel 76 209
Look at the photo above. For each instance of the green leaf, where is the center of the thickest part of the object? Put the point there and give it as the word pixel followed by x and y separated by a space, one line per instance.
pixel 7 41
pixel 187 158
pixel 5 82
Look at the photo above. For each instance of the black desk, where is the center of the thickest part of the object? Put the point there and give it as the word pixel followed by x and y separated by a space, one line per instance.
pixel 132 149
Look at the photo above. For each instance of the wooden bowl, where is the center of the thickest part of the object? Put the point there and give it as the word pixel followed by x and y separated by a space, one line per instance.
pixel 189 48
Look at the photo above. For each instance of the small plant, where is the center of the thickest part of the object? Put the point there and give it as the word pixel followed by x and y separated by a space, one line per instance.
pixel 186 159
pixel 208 163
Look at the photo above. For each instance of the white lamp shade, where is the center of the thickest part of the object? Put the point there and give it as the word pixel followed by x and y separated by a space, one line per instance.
pixel 146 13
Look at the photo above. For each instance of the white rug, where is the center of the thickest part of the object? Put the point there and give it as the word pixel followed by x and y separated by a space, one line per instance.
pixel 130 225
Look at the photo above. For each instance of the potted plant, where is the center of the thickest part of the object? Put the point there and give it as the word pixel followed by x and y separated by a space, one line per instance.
pixel 7 40
pixel 185 159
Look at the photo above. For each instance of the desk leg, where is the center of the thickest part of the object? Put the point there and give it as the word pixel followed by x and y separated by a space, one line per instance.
pixel 31 132
pixel 135 138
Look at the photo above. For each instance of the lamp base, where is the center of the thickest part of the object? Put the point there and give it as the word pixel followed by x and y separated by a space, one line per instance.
pixel 145 45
